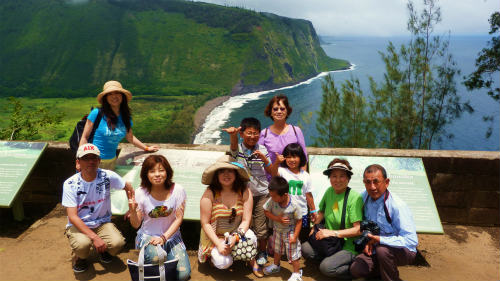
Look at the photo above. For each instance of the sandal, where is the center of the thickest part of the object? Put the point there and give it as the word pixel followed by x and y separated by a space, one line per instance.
pixel 257 271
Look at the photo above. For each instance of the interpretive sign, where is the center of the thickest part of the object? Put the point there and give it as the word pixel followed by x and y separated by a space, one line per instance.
pixel 407 179
pixel 17 159
pixel 188 166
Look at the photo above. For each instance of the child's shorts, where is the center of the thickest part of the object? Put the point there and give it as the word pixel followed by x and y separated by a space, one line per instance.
pixel 259 219
pixel 281 242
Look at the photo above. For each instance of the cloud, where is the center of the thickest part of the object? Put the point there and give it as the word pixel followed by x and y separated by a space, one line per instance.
pixel 374 17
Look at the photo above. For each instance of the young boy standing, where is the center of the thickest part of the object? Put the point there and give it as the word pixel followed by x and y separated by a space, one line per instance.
pixel 286 215
pixel 255 159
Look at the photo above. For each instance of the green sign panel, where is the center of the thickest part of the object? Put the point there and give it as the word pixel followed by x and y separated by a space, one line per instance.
pixel 407 179
pixel 17 159
pixel 188 166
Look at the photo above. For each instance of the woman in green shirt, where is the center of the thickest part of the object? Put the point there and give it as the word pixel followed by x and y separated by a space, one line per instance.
pixel 330 209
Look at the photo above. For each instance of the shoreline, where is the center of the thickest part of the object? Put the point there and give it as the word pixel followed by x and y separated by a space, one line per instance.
pixel 203 112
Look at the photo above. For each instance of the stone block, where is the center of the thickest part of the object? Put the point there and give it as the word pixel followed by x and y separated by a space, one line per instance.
pixel 486 182
pixel 450 182
pixel 475 166
pixel 450 199
pixel 485 199
pixel 453 215
pixel 483 216
pixel 437 165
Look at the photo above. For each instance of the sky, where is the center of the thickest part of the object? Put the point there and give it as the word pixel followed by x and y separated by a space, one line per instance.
pixel 374 17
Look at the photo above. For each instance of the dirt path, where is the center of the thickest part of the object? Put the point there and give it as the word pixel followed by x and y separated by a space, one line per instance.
pixel 42 253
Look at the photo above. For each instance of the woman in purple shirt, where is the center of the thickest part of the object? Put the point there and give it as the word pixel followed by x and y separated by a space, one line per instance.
pixel 280 134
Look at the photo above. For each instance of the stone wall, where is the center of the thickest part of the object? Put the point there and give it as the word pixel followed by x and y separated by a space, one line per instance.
pixel 465 184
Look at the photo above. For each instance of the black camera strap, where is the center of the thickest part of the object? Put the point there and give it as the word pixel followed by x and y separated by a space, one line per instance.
pixel 344 205
pixel 386 211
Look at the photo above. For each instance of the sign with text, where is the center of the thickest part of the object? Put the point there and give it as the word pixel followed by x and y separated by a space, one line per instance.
pixel 407 179
pixel 17 159
pixel 188 166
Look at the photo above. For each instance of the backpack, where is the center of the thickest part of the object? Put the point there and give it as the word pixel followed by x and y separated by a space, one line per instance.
pixel 74 140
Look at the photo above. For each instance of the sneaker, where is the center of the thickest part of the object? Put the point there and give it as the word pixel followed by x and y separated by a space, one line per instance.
pixel 296 276
pixel 271 269
pixel 80 265
pixel 261 258
pixel 105 257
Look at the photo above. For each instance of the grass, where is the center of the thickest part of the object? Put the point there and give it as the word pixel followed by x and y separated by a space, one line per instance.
pixel 156 118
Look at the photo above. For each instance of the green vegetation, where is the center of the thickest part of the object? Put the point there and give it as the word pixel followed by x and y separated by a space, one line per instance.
pixel 25 124
pixel 169 118
pixel 172 55
pixel 411 107
pixel 161 47
pixel 488 65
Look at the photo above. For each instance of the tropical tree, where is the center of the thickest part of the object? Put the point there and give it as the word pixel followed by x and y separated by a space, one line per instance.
pixel 417 98
pixel 343 118
pixel 25 124
pixel 487 63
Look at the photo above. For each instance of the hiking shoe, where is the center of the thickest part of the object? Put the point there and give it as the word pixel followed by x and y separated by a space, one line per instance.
pixel 80 265
pixel 105 257
pixel 271 269
pixel 296 276
pixel 261 258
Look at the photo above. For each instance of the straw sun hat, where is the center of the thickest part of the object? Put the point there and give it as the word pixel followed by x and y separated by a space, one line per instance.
pixel 224 162
pixel 113 86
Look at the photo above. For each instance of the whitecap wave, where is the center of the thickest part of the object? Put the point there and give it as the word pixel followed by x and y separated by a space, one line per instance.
pixel 211 130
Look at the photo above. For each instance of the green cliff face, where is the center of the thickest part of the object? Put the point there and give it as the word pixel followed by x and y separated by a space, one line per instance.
pixel 56 48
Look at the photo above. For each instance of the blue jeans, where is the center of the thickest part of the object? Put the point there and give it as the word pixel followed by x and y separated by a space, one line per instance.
pixel 175 249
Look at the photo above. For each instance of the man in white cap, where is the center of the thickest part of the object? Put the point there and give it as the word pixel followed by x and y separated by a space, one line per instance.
pixel 86 196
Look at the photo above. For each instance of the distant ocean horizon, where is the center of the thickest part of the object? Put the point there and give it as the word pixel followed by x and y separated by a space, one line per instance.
pixel 469 130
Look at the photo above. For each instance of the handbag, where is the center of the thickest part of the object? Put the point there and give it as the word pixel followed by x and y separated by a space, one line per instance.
pixel 329 245
pixel 244 250
pixel 164 270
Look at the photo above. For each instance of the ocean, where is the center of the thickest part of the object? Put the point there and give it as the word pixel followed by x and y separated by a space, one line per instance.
pixel 469 130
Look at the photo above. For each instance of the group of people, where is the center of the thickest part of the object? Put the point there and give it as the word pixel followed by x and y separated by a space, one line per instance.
pixel 258 195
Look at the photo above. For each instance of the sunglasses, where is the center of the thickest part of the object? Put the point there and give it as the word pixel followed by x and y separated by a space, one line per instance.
pixel 279 108
pixel 233 215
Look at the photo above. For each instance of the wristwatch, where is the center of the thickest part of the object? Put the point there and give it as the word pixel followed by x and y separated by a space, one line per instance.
pixel 336 233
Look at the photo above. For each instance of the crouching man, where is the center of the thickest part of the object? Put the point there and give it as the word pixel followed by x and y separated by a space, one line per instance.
pixel 397 243
pixel 86 196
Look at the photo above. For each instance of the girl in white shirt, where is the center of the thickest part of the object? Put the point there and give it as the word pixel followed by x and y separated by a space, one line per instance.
pixel 159 206
pixel 299 182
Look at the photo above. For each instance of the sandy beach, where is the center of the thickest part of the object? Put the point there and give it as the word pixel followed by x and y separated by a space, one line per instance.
pixel 202 113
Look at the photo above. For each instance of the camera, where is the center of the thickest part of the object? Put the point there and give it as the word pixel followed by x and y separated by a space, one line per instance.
pixel 252 157
pixel 366 227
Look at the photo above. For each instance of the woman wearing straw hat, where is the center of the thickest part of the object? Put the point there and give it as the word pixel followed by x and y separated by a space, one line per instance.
pixel 116 124
pixel 225 207
pixel 331 207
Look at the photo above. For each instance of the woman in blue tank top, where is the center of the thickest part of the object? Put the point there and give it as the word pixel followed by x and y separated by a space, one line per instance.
pixel 114 124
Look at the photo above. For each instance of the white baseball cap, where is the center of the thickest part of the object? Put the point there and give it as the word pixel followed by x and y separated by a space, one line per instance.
pixel 87 148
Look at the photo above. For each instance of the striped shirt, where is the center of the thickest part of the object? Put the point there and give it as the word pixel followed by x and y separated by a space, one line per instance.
pixel 254 166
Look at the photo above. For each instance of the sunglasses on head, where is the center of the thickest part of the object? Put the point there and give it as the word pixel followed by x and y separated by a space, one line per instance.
pixel 233 215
